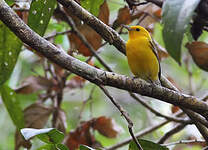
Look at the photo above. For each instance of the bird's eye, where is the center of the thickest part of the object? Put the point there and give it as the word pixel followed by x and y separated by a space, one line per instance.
pixel 137 29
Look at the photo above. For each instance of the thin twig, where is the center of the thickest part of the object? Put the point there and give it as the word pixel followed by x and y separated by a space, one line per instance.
pixel 124 113
pixel 51 71
pixel 187 65
pixel 185 142
pixel 205 148
pixel 159 3
pixel 45 67
pixel 85 101
pixel 199 121
pixel 196 117
pixel 56 34
pixel 173 131
pixel 205 97
pixel 59 96
pixel 142 18
pixel 139 134
pixel 181 120
pixel 203 130
pixel 143 132
pixel 70 21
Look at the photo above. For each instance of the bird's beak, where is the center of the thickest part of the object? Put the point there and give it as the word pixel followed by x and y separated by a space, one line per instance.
pixel 127 27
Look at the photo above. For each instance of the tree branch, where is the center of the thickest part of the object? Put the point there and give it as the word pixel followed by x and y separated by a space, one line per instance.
pixel 123 113
pixel 159 3
pixel 105 31
pixel 143 132
pixel 48 37
pixel 176 119
pixel 69 20
pixel 173 131
pixel 199 122
pixel 186 142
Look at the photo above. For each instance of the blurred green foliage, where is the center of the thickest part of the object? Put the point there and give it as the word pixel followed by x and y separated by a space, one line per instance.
pixel 92 6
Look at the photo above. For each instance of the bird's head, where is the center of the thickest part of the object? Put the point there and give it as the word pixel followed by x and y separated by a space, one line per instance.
pixel 137 31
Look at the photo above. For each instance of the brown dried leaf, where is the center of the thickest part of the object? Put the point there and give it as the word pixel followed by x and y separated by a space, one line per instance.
pixel 148 17
pixel 59 120
pixel 23 15
pixel 104 13
pixel 199 53
pixel 59 71
pixel 92 36
pixel 81 135
pixel 107 127
pixel 36 116
pixel 33 84
pixel 124 17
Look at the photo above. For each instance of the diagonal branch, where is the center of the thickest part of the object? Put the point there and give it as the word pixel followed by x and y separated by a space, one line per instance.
pixel 186 142
pixel 173 131
pixel 171 118
pixel 143 132
pixel 159 3
pixel 69 20
pixel 124 114
pixel 105 31
pixel 199 122
pixel 48 37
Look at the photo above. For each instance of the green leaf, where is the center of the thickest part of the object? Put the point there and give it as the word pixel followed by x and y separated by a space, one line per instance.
pixel 10 46
pixel 47 147
pixel 146 145
pixel 12 105
pixel 85 147
pixel 53 147
pixel 9 2
pixel 92 6
pixel 54 136
pixel 40 14
pixel 30 132
pixel 176 15
pixel 49 135
pixel 62 147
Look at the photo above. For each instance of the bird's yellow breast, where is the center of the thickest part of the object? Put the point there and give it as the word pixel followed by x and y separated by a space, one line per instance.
pixel 141 59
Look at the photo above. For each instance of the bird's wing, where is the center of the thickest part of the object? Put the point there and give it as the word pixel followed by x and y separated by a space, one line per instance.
pixel 153 47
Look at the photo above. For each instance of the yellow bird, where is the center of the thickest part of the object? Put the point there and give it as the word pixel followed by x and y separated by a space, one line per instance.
pixel 141 54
